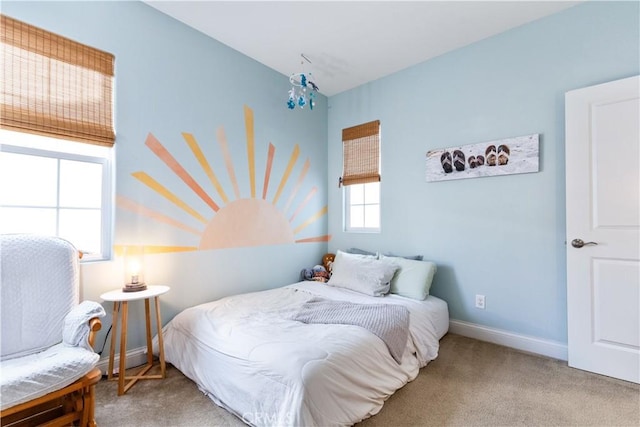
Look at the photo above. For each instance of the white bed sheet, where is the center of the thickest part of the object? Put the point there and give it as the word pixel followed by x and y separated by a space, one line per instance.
pixel 247 357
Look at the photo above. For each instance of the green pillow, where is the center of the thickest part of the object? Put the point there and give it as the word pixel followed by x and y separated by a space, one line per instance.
pixel 413 278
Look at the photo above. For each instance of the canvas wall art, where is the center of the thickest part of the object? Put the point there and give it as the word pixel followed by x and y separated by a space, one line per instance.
pixel 500 157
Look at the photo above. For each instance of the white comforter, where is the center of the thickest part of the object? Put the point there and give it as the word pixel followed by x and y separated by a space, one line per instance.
pixel 245 355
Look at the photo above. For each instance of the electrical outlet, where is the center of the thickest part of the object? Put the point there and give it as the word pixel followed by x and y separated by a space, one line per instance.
pixel 480 301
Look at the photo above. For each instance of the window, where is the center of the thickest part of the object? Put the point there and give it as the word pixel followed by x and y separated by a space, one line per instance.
pixel 362 203
pixel 63 192
pixel 54 93
pixel 361 177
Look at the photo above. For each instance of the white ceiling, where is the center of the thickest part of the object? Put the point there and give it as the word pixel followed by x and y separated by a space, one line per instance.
pixel 350 43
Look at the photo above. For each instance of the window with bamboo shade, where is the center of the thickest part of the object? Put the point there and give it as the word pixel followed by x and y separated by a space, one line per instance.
pixel 54 93
pixel 54 86
pixel 361 154
pixel 361 177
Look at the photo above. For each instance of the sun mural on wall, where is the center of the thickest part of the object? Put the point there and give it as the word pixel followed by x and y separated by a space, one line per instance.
pixel 236 221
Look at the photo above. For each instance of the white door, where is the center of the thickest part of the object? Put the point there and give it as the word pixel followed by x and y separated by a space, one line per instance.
pixel 603 228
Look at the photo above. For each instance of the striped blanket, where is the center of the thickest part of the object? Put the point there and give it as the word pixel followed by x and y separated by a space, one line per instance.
pixel 388 322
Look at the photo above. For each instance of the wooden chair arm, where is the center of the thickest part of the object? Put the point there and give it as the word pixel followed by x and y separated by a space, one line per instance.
pixel 94 326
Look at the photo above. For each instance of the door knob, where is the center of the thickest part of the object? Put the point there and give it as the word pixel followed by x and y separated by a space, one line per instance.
pixel 578 243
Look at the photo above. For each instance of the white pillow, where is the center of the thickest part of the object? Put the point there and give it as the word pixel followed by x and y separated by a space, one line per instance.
pixel 413 278
pixel 362 274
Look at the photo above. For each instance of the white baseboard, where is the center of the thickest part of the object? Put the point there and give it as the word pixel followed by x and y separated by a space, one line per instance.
pixel 544 347
pixel 135 357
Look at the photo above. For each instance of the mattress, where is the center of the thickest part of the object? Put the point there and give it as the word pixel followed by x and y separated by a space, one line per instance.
pixel 248 357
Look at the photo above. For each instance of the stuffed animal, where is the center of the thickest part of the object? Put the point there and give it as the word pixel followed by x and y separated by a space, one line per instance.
pixel 327 261
pixel 317 273
pixel 320 274
pixel 306 274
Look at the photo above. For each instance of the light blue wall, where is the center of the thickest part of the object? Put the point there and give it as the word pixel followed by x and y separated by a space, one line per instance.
pixel 172 79
pixel 503 237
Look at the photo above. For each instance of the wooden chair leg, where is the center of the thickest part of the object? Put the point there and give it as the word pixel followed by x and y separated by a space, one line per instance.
pixel 90 407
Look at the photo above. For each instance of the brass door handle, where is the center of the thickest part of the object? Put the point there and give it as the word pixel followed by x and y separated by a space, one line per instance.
pixel 578 243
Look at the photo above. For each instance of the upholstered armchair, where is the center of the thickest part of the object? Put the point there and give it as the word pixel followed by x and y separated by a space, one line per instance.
pixel 47 363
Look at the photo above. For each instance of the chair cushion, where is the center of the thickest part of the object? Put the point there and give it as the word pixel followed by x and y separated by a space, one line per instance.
pixel 29 377
pixel 39 277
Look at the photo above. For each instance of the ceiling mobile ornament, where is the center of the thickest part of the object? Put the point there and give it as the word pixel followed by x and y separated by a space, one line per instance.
pixel 300 82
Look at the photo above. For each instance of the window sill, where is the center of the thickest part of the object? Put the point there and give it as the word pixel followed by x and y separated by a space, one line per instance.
pixel 363 230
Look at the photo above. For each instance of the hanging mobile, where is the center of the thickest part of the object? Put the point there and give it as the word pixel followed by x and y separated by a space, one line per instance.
pixel 299 83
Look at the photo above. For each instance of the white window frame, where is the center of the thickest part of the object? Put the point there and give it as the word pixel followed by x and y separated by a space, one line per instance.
pixel 347 211
pixel 34 145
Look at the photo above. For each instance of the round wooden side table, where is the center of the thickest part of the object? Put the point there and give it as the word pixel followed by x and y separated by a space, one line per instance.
pixel 120 309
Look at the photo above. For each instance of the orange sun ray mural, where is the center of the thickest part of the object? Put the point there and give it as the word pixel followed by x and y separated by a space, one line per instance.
pixel 248 124
pixel 164 192
pixel 242 222
pixel 129 204
pixel 304 203
pixel 285 176
pixel 224 147
pixel 195 149
pixel 267 171
pixel 120 250
pixel 311 220
pixel 303 173
pixel 164 155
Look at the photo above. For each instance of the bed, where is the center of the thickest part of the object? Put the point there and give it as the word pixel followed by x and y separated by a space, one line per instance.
pixel 250 355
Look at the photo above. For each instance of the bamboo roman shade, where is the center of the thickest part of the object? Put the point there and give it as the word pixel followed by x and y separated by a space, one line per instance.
pixel 361 154
pixel 54 86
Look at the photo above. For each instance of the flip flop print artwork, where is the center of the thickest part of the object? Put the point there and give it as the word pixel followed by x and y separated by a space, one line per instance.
pixel 458 160
pixel 472 162
pixel 475 161
pixel 502 157
pixel 491 155
pixel 445 159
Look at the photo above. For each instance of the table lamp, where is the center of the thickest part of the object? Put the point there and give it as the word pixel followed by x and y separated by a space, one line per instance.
pixel 134 272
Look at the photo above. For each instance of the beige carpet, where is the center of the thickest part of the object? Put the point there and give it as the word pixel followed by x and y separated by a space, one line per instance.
pixel 471 383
